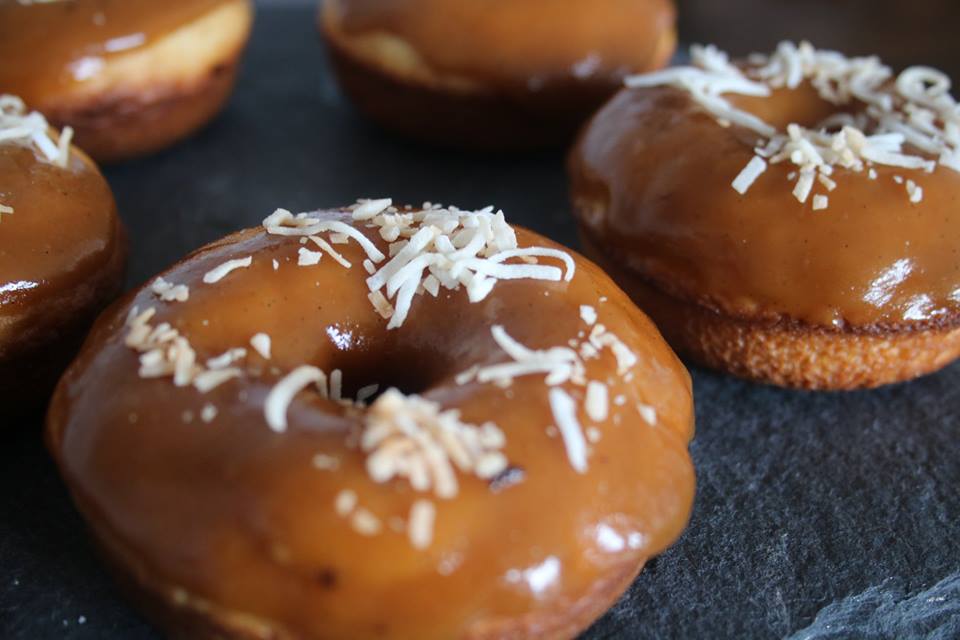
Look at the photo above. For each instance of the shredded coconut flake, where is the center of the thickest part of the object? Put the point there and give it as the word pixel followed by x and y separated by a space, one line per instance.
pixel 648 413
pixel 588 314
pixel 597 403
pixel 282 394
pixel 169 292
pixel 749 175
pixel 227 358
pixel 345 502
pixel 220 272
pixel 915 192
pixel 210 380
pixel 308 258
pixel 326 462
pixel 565 414
pixel 820 202
pixel 261 343
pixel 333 253
pixel 209 413
pixel 368 209
pixel 420 530
pixel 365 522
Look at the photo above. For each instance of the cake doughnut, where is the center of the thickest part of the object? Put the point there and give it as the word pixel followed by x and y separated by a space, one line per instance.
pixel 62 253
pixel 789 219
pixel 491 74
pixel 131 77
pixel 377 422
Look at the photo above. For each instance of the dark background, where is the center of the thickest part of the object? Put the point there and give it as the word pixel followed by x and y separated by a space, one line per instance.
pixel 817 516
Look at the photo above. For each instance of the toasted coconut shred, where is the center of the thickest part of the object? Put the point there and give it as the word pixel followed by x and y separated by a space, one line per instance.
pixel 31 130
pixel 169 292
pixel 909 121
pixel 409 438
pixel 428 249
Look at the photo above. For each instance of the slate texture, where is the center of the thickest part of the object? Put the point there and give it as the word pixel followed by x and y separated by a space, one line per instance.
pixel 818 516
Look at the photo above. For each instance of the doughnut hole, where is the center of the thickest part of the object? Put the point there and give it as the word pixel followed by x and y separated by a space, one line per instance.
pixel 387 360
pixel 802 106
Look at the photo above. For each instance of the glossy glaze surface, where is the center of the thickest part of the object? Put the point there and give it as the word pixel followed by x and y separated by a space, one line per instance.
pixel 652 181
pixel 63 230
pixel 235 514
pixel 525 43
pixel 47 48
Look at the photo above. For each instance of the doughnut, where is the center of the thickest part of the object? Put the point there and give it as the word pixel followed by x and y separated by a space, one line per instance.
pixel 130 77
pixel 491 74
pixel 790 218
pixel 62 254
pixel 377 421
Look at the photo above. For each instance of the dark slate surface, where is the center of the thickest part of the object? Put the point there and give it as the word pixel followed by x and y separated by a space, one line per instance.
pixel 818 515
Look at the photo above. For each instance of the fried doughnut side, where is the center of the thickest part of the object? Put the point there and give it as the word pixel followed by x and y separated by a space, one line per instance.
pixel 784 353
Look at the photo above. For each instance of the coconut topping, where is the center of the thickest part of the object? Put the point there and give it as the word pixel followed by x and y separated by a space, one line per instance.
pixel 410 437
pixel 909 121
pixel 597 403
pixel 220 272
pixel 588 314
pixel 169 292
pixel 19 127
pixel 164 352
pixel 227 358
pixel 308 258
pixel 565 413
pixel 261 343
pixel 333 253
pixel 208 413
pixel 420 529
pixel 561 365
pixel 30 129
pixel 428 249
pixel 282 394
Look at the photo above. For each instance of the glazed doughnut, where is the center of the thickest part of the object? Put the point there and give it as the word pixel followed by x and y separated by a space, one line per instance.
pixel 130 77
pixel 62 251
pixel 359 423
pixel 493 75
pixel 790 219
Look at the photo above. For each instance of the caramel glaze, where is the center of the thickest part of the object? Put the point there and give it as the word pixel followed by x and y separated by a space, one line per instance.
pixel 232 517
pixel 651 181
pixel 61 259
pixel 521 46
pixel 49 48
